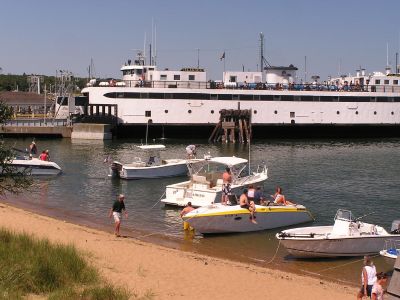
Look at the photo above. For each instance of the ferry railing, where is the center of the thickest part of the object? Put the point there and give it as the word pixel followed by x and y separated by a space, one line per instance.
pixel 378 88
pixel 38 122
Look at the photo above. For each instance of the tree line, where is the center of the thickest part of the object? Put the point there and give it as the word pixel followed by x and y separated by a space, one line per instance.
pixel 10 82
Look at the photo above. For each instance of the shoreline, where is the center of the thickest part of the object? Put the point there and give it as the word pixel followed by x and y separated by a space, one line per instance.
pixel 166 273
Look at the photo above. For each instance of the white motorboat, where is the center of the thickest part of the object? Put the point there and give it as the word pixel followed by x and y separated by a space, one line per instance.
pixel 35 166
pixel 391 250
pixel 347 237
pixel 205 184
pixel 152 167
pixel 219 218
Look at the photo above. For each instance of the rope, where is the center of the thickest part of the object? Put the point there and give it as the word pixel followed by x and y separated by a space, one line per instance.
pixel 158 200
pixel 342 265
pixel 276 252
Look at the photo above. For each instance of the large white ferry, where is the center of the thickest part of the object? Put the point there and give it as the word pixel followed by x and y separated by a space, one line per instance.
pixel 277 104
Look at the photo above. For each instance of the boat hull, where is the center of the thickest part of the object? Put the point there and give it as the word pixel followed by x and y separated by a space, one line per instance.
pixel 213 220
pixel 168 170
pixel 335 247
pixel 36 167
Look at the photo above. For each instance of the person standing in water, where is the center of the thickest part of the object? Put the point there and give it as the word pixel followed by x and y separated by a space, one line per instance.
pixel 187 209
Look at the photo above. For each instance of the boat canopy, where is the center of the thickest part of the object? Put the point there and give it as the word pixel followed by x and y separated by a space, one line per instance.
pixel 151 147
pixel 228 160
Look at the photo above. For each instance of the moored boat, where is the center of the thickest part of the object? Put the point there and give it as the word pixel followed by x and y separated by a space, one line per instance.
pixel 205 184
pixel 347 237
pixel 153 167
pixel 218 218
pixel 35 166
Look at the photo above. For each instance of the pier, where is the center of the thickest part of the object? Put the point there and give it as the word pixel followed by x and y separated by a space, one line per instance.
pixel 234 125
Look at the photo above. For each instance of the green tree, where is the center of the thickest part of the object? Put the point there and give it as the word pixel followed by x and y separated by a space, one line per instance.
pixel 12 180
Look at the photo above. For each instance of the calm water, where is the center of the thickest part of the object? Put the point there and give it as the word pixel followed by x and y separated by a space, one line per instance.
pixel 324 175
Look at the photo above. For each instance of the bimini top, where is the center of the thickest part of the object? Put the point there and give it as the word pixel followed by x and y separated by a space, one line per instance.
pixel 151 147
pixel 228 160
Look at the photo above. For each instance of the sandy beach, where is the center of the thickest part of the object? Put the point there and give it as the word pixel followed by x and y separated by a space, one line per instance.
pixel 163 273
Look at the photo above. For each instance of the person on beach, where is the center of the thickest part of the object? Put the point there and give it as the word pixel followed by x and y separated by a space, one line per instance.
pixel 377 290
pixel 116 212
pixel 368 278
pixel 226 185
pixel 244 203
pixel 188 208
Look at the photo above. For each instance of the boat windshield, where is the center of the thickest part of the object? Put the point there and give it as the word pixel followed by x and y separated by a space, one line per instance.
pixel 208 167
pixel 344 215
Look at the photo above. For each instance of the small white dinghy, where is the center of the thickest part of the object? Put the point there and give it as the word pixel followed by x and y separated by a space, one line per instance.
pixel 153 167
pixel 347 237
pixel 392 247
pixel 219 218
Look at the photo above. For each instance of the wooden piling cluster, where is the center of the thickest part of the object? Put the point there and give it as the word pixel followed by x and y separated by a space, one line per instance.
pixel 234 125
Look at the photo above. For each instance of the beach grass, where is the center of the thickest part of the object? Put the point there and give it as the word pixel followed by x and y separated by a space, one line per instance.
pixel 36 266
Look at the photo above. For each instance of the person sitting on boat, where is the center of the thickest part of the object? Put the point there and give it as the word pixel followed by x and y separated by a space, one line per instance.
pixel 279 198
pixel 259 196
pixel 191 151
pixel 187 209
pixel 45 155
pixel 226 185
pixel 251 192
pixel 244 203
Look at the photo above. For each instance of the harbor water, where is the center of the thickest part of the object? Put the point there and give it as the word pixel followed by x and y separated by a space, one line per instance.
pixel 324 175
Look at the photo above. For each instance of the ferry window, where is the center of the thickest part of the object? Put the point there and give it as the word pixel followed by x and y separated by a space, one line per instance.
pixel 277 97
pixel 232 79
pixel 292 114
pixel 144 95
pixel 382 99
pixel 110 95
pixel 156 95
pixel 396 99
pixel 246 97
pixel 147 113
pixel 374 112
pixel 120 95
pixel 139 71
pixel 386 81
pixel 213 97
pixel 212 111
pixel 189 111
pixel 224 97
pixel 338 112
pixel 327 99
pixel 356 112
pixel 166 111
pixel 395 82
pixel 132 95
pixel 192 77
pixel 377 81
pixel 151 69
pixel 177 77
pixel 286 98
pixel 203 96
pixel 168 95
pixel 235 97
pixel 266 97
pixel 163 77
pixel 363 99
pixel 275 112
pixel 255 112
pixel 306 98
pixel 256 97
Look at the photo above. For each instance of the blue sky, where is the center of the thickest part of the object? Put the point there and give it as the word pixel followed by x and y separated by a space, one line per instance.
pixel 43 36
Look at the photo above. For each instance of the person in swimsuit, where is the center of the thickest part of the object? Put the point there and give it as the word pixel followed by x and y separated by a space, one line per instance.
pixel 279 198
pixel 226 185
pixel 244 203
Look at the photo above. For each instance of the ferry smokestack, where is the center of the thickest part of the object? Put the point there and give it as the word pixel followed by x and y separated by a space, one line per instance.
pixel 362 72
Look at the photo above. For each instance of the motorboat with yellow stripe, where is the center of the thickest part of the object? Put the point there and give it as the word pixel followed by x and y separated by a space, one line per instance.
pixel 219 218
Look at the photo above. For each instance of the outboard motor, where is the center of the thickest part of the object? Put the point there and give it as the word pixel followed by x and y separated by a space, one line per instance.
pixel 395 227
pixel 115 169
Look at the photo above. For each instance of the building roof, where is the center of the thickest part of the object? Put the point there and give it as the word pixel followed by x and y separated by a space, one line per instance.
pixel 21 98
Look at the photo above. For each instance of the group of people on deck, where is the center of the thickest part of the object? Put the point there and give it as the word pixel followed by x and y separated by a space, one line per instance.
pixel 45 156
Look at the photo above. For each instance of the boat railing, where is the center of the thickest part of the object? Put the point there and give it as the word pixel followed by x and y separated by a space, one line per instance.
pixel 306 87
pixel 392 244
